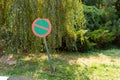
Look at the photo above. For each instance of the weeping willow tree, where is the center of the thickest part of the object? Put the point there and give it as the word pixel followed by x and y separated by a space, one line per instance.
pixel 2 10
pixel 20 15
pixel 66 17
pixel 4 6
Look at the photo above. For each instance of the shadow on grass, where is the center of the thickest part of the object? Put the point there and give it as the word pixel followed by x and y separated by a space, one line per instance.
pixel 63 71
pixel 39 70
pixel 112 52
pixel 21 68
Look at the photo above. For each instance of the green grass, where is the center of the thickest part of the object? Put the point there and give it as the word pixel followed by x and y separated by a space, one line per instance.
pixel 98 65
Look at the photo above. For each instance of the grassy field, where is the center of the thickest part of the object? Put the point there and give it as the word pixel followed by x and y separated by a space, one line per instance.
pixel 97 65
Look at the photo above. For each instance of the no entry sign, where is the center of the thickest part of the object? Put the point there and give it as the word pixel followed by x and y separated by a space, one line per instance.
pixel 41 27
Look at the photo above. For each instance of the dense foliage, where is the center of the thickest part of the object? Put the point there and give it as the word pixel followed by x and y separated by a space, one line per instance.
pixel 77 25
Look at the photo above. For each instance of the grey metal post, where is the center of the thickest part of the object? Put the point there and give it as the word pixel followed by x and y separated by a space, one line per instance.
pixel 49 58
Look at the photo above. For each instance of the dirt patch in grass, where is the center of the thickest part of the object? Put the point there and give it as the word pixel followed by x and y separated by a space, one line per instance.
pixel 8 59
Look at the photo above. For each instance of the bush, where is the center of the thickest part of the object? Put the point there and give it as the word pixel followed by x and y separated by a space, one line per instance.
pixel 117 33
pixel 102 24
pixel 93 17
pixel 101 37
pixel 82 41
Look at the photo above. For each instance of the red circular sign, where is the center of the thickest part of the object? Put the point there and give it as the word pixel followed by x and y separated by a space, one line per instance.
pixel 41 27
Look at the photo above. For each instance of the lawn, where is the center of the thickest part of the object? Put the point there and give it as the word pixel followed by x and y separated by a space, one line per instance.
pixel 92 65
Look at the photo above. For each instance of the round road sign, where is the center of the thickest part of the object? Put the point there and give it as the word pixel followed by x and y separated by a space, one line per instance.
pixel 41 27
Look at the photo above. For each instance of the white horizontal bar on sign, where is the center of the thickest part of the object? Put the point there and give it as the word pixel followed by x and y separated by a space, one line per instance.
pixel 3 77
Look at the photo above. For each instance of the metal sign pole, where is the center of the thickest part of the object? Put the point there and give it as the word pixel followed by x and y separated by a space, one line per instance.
pixel 49 58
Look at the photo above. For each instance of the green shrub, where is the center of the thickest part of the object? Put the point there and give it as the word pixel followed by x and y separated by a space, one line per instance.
pixel 117 33
pixel 117 6
pixel 93 17
pixel 102 38
pixel 102 24
pixel 82 41
pixel 71 40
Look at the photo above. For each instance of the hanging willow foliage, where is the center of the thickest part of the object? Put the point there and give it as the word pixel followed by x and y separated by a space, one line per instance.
pixel 66 17
pixel 21 14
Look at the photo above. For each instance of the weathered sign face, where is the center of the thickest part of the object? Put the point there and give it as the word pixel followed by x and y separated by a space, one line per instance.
pixel 41 27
